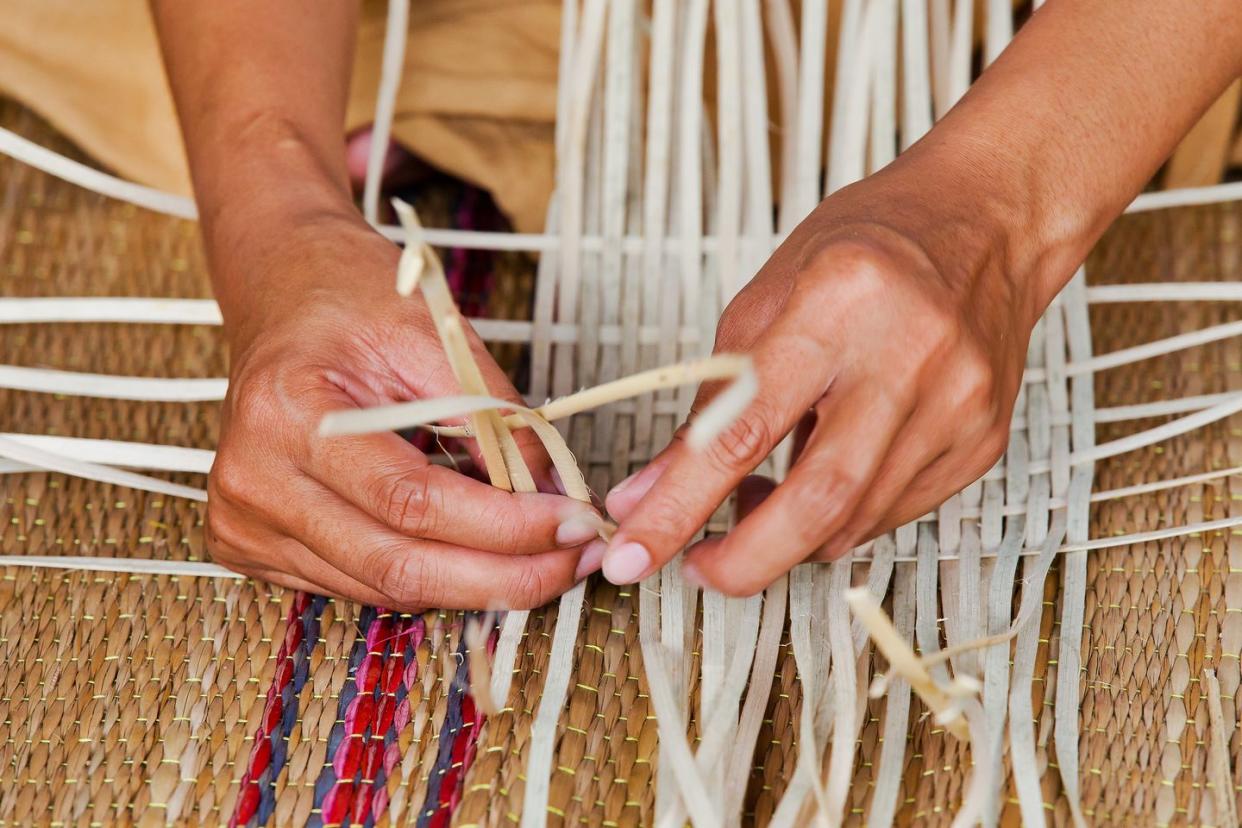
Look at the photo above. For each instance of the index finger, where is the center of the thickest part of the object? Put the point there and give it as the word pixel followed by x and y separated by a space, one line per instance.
pixel 792 373
pixel 395 484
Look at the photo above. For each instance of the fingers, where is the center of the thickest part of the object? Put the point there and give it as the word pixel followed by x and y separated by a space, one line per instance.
pixel 244 545
pixel 792 373
pixel 395 484
pixel 914 449
pixel 443 384
pixel 951 472
pixel 413 573
pixel 842 457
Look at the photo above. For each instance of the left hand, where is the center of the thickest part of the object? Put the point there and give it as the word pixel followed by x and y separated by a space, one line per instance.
pixel 899 352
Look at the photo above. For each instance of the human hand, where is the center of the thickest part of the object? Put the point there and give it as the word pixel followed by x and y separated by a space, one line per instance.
pixel 907 351
pixel 367 517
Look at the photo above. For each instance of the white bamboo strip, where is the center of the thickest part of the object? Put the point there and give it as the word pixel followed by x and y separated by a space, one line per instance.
pixel 897 705
pixel 1113 542
pixel 119 453
pixel 916 109
pixel 607 298
pixel 109 309
pixel 903 661
pixel 172 311
pixel 763 670
pixel 1220 773
pixel 712 654
pixel 1181 405
pixel 145 389
pixel 661 305
pixel 132 566
pixel 844 686
pixel 731 88
pixel 677 604
pixel 671 725
pixel 999 29
pixel 996 660
pixel 695 308
pixel 392 64
pixel 879 574
pixel 634 434
pixel 159 201
pixel 757 217
pixel 784 52
pixel 883 71
pixel 1166 292
pixel 1026 768
pixel 848 125
pixel 940 13
pixel 1186 197
pixel 1160 347
pixel 808 141
pixel 1150 436
pixel 812 664
pixel 961 45
pixel 26 453
pixel 572 183
pixel 1074 567
pixel 41 158
pixel 721 710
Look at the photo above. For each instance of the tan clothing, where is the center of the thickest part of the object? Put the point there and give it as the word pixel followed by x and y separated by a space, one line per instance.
pixel 478 98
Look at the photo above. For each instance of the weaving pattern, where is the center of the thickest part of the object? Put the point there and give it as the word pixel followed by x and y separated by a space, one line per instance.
pixel 168 698
pixel 267 760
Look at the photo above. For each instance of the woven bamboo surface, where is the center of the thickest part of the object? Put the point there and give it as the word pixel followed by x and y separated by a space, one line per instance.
pixel 138 698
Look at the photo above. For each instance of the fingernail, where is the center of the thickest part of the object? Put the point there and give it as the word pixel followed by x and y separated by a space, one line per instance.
pixel 629 491
pixel 577 529
pixel 626 563
pixel 592 558
pixel 691 575
pixel 620 487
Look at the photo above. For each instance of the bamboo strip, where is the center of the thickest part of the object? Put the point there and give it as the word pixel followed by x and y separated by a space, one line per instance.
pixel 159 201
pixel 40 458
pixel 392 65
pixel 1219 771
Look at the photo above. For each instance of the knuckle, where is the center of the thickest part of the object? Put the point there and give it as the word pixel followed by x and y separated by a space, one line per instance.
pixel 525 590
pixel 408 580
pixel 744 444
pixel 823 497
pixel 407 502
pixel 232 480
pixel 975 383
pixel 510 526
pixel 224 532
pixel 992 445
pixel 251 399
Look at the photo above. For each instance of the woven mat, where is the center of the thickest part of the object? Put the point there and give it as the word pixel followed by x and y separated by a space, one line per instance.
pixel 159 699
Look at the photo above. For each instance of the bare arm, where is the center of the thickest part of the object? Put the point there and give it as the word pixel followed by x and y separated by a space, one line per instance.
pixel 314 324
pixel 898 312
pixel 261 91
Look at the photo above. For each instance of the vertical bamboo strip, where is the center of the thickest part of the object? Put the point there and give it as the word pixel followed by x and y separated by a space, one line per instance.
pixel 392 65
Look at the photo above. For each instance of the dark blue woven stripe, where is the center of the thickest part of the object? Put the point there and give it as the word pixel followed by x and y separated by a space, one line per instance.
pixel 289 699
pixel 327 775
pixel 453 723
pixel 381 773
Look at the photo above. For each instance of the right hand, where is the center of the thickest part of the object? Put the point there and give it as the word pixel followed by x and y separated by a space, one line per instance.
pixel 368 518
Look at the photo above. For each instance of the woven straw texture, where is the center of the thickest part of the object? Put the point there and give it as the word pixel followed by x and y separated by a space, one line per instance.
pixel 154 699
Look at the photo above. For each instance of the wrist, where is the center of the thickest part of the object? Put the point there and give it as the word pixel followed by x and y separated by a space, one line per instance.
pixel 296 261
pixel 980 217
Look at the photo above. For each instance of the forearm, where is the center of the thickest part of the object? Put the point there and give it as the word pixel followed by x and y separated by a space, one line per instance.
pixel 1060 134
pixel 261 90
